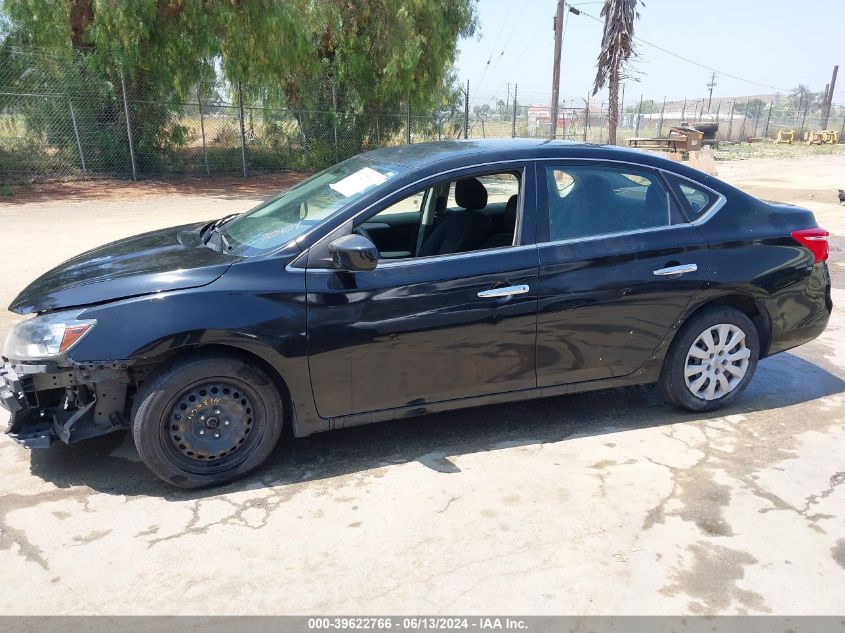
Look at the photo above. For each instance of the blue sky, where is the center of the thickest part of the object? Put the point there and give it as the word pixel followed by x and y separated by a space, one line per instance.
pixel 771 42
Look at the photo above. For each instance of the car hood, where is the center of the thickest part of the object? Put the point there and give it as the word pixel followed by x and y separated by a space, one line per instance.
pixel 168 259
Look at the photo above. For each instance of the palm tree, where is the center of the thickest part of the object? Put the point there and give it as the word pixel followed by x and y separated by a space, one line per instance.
pixel 617 47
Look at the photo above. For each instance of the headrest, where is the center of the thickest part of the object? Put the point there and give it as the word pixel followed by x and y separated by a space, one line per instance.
pixel 470 194
pixel 510 213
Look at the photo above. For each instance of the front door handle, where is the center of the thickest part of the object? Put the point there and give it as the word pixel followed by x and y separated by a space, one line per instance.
pixel 676 270
pixel 507 291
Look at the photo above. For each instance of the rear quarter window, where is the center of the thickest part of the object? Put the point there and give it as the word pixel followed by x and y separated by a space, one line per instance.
pixel 696 200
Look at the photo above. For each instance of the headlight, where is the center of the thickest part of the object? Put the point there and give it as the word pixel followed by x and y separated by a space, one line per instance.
pixel 47 335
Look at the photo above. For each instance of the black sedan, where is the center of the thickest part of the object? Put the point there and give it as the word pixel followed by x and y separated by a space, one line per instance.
pixel 411 280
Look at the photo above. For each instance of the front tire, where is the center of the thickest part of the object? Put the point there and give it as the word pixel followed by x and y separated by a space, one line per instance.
pixel 711 361
pixel 205 421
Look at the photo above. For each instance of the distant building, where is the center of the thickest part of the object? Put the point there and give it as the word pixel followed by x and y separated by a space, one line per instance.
pixel 541 115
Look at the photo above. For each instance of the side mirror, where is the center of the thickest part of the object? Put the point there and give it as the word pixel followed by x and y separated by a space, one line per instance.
pixel 354 253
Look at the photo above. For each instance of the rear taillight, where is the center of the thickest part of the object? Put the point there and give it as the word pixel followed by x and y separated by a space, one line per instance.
pixel 815 240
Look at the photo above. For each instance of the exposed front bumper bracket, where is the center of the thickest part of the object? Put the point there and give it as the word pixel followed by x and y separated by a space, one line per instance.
pixel 47 401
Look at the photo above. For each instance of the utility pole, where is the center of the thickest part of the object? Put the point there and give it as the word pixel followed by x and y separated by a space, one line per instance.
pixel 712 84
pixel 513 119
pixel 558 27
pixel 828 102
pixel 508 98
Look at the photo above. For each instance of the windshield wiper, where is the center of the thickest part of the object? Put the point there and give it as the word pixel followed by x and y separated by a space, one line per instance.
pixel 214 227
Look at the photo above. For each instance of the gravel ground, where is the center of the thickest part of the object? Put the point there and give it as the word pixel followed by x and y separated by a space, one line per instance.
pixel 608 502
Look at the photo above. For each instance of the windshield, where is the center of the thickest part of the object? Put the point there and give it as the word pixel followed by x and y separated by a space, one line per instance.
pixel 291 213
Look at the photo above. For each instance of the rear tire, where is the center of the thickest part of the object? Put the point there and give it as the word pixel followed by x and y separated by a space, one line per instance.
pixel 206 420
pixel 711 361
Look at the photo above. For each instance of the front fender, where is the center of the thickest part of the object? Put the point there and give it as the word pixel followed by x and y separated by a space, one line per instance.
pixel 258 308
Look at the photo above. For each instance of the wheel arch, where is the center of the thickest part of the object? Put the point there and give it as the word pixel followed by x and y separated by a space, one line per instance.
pixel 750 307
pixel 150 365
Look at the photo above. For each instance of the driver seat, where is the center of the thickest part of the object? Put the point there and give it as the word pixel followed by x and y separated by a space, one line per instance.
pixel 461 231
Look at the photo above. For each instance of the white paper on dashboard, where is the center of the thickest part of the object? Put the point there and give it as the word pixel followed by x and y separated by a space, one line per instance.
pixel 357 182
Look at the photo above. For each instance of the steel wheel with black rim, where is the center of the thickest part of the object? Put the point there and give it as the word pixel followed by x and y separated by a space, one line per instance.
pixel 204 421
pixel 711 361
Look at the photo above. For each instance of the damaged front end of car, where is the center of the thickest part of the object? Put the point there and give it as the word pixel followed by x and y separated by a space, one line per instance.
pixel 51 400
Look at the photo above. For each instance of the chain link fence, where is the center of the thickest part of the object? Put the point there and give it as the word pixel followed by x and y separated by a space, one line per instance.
pixel 61 119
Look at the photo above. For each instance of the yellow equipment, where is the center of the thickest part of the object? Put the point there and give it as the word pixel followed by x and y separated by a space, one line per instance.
pixel 823 137
pixel 785 136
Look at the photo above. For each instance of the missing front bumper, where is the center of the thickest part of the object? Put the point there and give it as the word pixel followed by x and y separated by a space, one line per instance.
pixel 49 402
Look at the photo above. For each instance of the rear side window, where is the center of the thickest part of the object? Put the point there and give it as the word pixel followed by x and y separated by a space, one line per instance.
pixel 698 200
pixel 586 201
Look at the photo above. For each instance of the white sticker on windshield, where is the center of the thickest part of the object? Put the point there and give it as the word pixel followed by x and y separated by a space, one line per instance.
pixel 357 182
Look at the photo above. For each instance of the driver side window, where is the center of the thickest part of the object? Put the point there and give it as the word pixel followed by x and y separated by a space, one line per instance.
pixel 455 216
pixel 411 204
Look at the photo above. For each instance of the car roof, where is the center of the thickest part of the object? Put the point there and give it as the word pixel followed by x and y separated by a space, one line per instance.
pixel 421 159
pixel 483 150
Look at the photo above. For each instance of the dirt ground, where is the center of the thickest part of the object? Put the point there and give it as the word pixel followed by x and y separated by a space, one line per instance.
pixel 601 503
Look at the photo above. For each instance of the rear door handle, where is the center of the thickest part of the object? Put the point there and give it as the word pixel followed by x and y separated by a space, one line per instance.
pixel 507 291
pixel 676 270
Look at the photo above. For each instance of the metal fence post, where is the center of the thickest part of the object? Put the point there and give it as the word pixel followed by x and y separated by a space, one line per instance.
pixel 620 116
pixel 586 115
pixel 76 133
pixel 731 120
pixel 601 122
pixel 639 112
pixel 513 115
pixel 378 133
pixel 466 112
pixel 128 127
pixel 202 131
pixel 408 121
pixel 243 133
pixel 768 119
pixel 660 124
pixel 744 119
pixel 334 120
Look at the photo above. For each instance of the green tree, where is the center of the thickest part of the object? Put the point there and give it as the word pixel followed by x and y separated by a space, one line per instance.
pixel 649 107
pixel 317 56
pixel 802 98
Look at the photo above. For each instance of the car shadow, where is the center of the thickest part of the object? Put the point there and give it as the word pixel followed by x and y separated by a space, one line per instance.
pixel 110 464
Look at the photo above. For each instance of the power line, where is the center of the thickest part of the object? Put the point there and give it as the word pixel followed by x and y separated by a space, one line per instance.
pixel 514 25
pixel 495 44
